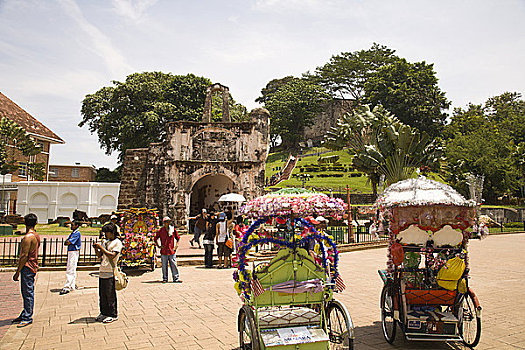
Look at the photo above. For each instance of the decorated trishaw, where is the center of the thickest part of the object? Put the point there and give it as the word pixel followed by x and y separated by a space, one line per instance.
pixel 289 301
pixel 426 284
pixel 138 228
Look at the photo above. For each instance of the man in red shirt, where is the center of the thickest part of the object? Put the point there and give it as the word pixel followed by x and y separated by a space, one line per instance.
pixel 167 236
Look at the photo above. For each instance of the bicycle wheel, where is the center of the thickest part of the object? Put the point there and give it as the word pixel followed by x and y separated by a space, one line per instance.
pixel 388 323
pixel 248 335
pixel 470 322
pixel 339 327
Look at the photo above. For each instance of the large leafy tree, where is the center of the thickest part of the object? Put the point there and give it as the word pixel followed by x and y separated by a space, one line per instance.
pixel 488 140
pixel 346 73
pixel 383 146
pixel 292 108
pixel 411 92
pixel 133 113
pixel 13 139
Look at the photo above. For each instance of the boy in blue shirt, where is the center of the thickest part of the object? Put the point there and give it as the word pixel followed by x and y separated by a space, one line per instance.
pixel 73 253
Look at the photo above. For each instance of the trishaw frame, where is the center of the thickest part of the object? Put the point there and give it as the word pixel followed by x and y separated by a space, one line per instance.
pixel 396 298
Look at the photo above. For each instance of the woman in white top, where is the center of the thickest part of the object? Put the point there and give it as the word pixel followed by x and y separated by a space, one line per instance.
pixel 221 237
pixel 109 249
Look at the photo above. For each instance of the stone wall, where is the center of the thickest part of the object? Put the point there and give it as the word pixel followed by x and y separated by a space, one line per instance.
pixel 166 175
pixel 327 119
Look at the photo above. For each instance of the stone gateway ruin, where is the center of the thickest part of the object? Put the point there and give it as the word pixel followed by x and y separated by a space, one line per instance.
pixel 198 162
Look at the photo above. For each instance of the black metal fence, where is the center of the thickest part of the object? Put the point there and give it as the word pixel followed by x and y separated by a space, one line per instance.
pixel 361 235
pixel 52 252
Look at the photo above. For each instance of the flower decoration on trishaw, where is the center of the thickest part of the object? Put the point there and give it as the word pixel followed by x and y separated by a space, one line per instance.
pixel 426 288
pixel 295 209
pixel 139 226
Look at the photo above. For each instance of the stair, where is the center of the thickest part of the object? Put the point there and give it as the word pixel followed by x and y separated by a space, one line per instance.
pixel 286 172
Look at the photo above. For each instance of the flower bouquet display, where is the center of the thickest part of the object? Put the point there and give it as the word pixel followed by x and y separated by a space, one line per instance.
pixel 138 226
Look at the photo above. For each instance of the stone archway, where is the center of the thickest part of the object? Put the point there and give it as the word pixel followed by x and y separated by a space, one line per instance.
pixel 206 192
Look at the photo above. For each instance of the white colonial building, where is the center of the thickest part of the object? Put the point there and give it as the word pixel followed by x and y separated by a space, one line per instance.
pixel 49 200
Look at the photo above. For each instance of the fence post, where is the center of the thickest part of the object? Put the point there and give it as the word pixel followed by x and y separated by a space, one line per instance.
pixel 349 213
pixel 44 245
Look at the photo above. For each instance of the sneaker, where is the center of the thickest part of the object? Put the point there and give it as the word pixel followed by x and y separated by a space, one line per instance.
pixel 24 323
pixel 64 291
pixel 100 318
pixel 16 320
pixel 164 281
pixel 177 281
pixel 191 242
pixel 109 319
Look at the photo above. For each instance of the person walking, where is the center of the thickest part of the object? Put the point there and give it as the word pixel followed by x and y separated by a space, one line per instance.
pixel 109 252
pixel 27 269
pixel 199 228
pixel 223 251
pixel 167 236
pixel 208 239
pixel 73 243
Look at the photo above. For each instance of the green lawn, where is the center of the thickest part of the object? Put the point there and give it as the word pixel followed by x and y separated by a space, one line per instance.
pixel 357 183
pixel 348 176
pixel 54 229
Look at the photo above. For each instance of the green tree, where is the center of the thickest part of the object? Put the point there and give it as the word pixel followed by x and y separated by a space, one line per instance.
pixel 272 87
pixel 133 114
pixel 482 139
pixel 106 175
pixel 383 146
pixel 13 138
pixel 411 92
pixel 292 108
pixel 346 74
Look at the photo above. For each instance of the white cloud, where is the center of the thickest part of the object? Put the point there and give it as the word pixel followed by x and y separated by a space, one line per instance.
pixel 133 10
pixel 102 46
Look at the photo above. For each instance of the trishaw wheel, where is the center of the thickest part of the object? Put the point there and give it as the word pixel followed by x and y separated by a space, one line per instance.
pixel 338 326
pixel 248 335
pixel 388 323
pixel 471 323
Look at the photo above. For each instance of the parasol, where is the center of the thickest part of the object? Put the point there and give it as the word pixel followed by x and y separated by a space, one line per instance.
pixel 232 197
pixel 293 201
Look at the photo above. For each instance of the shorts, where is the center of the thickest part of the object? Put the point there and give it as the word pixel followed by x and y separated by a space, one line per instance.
pixel 222 249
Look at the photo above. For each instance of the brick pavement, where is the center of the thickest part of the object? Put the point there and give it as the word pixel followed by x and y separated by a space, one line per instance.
pixel 201 312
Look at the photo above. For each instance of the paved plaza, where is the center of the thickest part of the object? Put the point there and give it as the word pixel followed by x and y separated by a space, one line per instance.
pixel 201 312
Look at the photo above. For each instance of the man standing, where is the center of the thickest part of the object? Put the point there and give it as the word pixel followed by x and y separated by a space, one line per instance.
pixel 208 239
pixel 73 253
pixel 27 268
pixel 167 235
pixel 114 221
pixel 199 228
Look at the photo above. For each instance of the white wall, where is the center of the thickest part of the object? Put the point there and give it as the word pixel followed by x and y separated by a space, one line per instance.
pixel 48 200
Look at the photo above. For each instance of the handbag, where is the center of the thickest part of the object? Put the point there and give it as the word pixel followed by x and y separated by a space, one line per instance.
pixel 121 279
pixel 229 243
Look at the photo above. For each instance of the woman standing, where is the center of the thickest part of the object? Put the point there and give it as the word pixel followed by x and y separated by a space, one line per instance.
pixel 223 251
pixel 109 251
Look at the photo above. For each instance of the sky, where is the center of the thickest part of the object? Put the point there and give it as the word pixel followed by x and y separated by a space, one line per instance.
pixel 55 52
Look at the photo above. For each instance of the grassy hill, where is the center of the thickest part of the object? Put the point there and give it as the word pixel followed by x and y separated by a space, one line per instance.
pixel 322 177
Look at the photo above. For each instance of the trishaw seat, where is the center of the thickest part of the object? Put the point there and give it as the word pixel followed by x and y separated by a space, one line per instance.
pixel 290 265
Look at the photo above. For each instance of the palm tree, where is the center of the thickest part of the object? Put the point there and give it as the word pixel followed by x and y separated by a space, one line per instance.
pixel 382 145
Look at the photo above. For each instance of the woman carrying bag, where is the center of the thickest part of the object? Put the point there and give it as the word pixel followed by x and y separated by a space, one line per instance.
pixel 109 251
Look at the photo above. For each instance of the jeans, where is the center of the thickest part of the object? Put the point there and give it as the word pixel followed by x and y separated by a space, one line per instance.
pixel 27 287
pixel 173 266
pixel 108 296
pixel 71 271
pixel 208 255
pixel 196 235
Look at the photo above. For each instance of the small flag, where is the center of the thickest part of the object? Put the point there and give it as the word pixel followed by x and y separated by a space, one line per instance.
pixel 257 287
pixel 339 283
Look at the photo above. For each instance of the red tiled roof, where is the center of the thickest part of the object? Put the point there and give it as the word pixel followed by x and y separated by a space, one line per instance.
pixel 11 110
